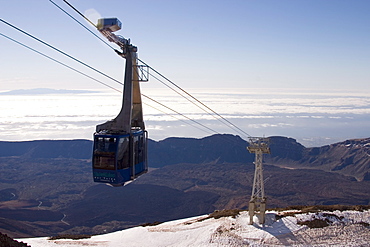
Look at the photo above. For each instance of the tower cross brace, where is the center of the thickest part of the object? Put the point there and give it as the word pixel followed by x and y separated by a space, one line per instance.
pixel 257 203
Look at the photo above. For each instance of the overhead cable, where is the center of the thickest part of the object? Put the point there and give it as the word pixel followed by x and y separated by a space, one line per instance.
pixel 230 123
pixel 226 122
pixel 89 30
pixel 65 65
pixel 180 114
pixel 90 77
pixel 172 115
pixel 60 51
pixel 70 5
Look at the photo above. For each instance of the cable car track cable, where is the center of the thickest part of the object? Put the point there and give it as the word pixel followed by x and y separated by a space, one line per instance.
pixel 178 92
pixel 138 58
pixel 65 65
pixel 177 118
pixel 60 51
pixel 97 36
pixel 180 114
pixel 90 77
pixel 228 123
pixel 221 117
pixel 70 5
pixel 75 59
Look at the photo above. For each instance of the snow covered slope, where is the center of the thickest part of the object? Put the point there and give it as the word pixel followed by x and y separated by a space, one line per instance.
pixel 347 228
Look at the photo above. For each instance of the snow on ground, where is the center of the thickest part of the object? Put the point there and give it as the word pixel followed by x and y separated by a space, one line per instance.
pixel 347 228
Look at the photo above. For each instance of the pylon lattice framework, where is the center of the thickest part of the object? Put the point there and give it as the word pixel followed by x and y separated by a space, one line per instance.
pixel 257 203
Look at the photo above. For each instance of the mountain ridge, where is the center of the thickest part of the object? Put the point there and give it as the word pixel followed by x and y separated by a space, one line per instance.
pixel 197 177
pixel 350 157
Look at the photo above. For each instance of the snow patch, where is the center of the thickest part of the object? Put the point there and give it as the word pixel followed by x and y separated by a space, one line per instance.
pixel 234 231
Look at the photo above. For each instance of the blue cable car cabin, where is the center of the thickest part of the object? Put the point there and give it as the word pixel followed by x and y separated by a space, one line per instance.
pixel 120 144
pixel 118 159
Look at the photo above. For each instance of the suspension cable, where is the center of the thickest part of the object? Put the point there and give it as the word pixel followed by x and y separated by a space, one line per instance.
pixel 191 96
pixel 43 42
pixel 65 65
pixel 69 67
pixel 181 114
pixel 89 30
pixel 229 123
pixel 60 51
pixel 174 116
pixel 70 5
pixel 164 83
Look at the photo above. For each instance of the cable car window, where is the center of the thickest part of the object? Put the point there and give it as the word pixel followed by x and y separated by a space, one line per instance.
pixel 104 162
pixel 104 153
pixel 140 151
pixel 123 154
pixel 136 149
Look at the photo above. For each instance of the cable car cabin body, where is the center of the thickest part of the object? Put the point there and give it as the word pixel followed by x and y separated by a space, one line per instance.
pixel 119 159
pixel 120 145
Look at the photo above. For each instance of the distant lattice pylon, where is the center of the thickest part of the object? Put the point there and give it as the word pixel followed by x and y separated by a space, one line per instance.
pixel 257 203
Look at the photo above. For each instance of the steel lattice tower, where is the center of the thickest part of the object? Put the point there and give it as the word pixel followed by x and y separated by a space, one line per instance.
pixel 257 203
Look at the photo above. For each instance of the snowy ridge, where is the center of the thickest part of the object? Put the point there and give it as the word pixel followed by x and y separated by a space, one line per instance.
pixel 356 143
pixel 347 228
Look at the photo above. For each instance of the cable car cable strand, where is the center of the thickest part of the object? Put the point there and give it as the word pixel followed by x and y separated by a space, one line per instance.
pixel 229 123
pixel 65 65
pixel 70 5
pixel 172 115
pixel 240 130
pixel 180 114
pixel 97 36
pixel 60 51
pixel 179 93
pixel 40 53
pixel 43 42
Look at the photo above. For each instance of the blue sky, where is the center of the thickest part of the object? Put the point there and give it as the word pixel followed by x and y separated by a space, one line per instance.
pixel 290 50
pixel 220 44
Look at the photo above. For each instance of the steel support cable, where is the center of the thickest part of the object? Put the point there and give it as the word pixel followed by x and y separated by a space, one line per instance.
pixel 60 51
pixel 65 65
pixel 179 93
pixel 97 36
pixel 172 115
pixel 180 114
pixel 115 50
pixel 183 96
pixel 231 141
pixel 69 67
pixel 70 5
pixel 229 124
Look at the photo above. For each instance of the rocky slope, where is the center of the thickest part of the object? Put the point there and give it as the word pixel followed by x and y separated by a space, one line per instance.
pixel 46 187
pixel 232 228
pixel 351 157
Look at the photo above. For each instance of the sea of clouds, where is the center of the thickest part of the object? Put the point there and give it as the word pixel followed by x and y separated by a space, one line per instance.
pixel 313 118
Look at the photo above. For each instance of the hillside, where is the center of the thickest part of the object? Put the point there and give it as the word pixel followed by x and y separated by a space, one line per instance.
pixel 76 149
pixel 351 157
pixel 46 187
pixel 231 228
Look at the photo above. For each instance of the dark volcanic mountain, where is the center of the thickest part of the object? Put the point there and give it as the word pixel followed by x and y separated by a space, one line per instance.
pixel 351 157
pixel 46 187
pixel 76 149
pixel 216 148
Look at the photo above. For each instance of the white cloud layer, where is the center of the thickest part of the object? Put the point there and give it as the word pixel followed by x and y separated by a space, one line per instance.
pixel 312 118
